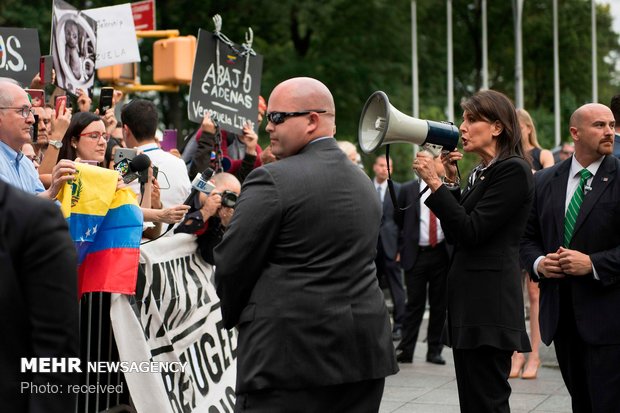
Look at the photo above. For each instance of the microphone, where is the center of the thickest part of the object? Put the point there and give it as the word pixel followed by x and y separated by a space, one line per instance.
pixel 200 184
pixel 193 219
pixel 136 168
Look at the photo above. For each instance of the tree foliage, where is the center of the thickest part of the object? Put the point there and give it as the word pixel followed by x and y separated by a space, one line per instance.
pixel 356 48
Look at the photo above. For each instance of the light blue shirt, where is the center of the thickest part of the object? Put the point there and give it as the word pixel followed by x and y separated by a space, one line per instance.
pixel 19 171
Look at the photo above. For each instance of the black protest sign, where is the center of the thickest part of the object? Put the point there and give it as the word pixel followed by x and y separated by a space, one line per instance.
pixel 19 54
pixel 225 82
pixel 74 47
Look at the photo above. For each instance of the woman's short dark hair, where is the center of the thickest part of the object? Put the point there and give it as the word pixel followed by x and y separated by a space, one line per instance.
pixel 79 122
pixel 493 106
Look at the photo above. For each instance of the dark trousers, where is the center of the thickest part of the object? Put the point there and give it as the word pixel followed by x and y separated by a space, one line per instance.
pixel 389 268
pixel 360 397
pixel 430 270
pixel 591 372
pixel 482 379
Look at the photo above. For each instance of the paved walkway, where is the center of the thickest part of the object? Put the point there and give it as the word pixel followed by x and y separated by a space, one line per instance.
pixel 422 387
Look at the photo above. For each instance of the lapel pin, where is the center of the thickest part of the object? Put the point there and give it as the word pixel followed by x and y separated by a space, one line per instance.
pixel 605 179
pixel 482 178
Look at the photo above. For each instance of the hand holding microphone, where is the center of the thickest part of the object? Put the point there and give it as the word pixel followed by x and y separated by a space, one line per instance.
pixel 136 168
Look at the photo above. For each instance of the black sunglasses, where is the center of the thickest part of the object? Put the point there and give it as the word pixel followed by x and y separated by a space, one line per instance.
pixel 279 117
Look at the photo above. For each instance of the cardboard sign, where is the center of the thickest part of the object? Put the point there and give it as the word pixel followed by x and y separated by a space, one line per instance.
pixel 74 47
pixel 144 14
pixel 228 89
pixel 19 54
pixel 116 35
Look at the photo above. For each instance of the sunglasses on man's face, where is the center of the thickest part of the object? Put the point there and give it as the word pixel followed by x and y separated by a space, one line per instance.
pixel 279 117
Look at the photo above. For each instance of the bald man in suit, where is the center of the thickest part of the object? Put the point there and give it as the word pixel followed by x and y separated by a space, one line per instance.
pixel 295 270
pixel 577 261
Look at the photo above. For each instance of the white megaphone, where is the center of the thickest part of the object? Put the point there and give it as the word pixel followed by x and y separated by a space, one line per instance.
pixel 382 124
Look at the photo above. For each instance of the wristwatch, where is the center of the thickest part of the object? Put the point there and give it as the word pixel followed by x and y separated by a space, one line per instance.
pixel 56 144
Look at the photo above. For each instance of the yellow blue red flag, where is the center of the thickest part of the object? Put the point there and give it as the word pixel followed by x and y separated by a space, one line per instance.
pixel 106 227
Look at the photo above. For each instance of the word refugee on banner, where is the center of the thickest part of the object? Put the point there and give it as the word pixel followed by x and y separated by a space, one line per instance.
pixel 175 316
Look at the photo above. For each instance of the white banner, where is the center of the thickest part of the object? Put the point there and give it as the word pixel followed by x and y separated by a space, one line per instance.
pixel 116 35
pixel 175 317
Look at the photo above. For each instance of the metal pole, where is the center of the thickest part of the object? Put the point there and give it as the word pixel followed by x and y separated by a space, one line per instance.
pixel 556 75
pixel 594 53
pixel 517 9
pixel 485 47
pixel 414 66
pixel 450 64
pixel 414 60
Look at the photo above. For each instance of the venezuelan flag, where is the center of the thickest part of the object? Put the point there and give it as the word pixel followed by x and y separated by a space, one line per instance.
pixel 106 227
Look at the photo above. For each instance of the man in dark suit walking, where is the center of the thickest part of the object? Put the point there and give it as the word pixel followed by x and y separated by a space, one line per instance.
pixel 295 270
pixel 388 267
pixel 572 246
pixel 38 303
pixel 424 257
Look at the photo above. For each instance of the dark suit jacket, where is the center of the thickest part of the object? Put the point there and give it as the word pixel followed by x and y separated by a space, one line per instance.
pixel 389 230
pixel 597 233
pixel 408 222
pixel 485 300
pixel 38 299
pixel 295 273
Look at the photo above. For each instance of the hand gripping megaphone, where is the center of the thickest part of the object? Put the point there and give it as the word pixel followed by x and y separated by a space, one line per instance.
pixel 382 124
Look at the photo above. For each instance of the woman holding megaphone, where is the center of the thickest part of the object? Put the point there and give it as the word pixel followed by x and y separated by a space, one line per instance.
pixel 485 320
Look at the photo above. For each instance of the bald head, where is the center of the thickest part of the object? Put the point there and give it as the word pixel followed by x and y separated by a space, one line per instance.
pixel 307 93
pixel 14 128
pixel 8 91
pixel 308 111
pixel 225 181
pixel 592 130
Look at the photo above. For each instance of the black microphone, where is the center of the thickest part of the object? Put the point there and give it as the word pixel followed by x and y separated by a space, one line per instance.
pixel 137 168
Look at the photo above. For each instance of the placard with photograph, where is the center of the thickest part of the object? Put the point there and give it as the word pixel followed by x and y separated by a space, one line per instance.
pixel 74 47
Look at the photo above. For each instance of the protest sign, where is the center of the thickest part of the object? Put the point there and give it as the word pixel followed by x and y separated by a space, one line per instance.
pixel 225 82
pixel 19 54
pixel 144 14
pixel 74 47
pixel 116 35
pixel 175 317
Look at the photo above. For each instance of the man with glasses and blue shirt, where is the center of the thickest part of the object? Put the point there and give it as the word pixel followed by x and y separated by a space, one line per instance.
pixel 16 122
pixel 295 270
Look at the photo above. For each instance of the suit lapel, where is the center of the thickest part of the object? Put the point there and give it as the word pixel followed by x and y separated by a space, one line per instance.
pixel 558 185
pixel 601 181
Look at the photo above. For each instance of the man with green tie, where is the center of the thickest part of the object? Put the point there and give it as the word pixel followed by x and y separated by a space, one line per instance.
pixel 572 247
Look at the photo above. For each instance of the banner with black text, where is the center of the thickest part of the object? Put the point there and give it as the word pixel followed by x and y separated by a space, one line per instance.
pixel 19 54
pixel 175 317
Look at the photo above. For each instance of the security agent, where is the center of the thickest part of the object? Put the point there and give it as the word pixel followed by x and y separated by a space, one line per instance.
pixel 38 300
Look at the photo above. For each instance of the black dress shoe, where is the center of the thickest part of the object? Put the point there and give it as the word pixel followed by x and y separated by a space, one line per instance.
pixel 435 359
pixel 397 335
pixel 404 357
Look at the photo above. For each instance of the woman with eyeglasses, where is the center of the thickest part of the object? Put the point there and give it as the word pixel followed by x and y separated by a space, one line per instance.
pixel 86 138
pixel 485 320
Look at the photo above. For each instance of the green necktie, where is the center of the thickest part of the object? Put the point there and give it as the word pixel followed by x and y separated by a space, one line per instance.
pixel 573 208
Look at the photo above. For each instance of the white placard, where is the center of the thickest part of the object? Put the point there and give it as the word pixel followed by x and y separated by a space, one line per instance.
pixel 116 35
